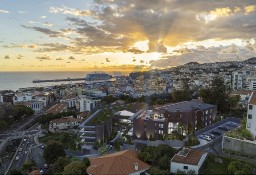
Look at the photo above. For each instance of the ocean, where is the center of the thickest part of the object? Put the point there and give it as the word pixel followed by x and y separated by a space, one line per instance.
pixel 16 80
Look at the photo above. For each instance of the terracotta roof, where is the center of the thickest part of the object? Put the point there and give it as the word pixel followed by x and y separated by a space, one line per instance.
pixel 191 158
pixel 36 172
pixel 244 92
pixel 69 96
pixel 57 108
pixel 65 120
pixel 83 114
pixel 122 162
pixel 253 99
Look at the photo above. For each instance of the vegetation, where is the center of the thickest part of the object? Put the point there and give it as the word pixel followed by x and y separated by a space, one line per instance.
pixel 75 167
pixel 11 114
pixel 58 166
pixel 156 171
pixel 189 172
pixel 239 167
pixel 53 151
pixel 86 161
pixel 45 119
pixel 15 172
pixel 28 165
pixel 192 141
pixel 68 140
pixel 157 157
pixel 103 149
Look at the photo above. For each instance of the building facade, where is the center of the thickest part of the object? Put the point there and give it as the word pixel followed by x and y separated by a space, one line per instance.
pixel 184 118
pixel 251 115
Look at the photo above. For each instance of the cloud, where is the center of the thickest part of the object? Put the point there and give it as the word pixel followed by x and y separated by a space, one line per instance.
pixel 70 11
pixel 7 57
pixel 72 58
pixel 231 49
pixel 19 57
pixel 45 57
pixel 42 17
pixel 68 62
pixel 107 60
pixel 4 11
pixel 47 24
pixel 46 31
pixel 135 50
pixel 59 58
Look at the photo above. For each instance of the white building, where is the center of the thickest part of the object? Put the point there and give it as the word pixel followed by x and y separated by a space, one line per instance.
pixel 64 123
pixel 37 106
pixel 87 103
pixel 70 100
pixel 187 160
pixel 22 97
pixel 251 115
pixel 1 98
pixel 238 80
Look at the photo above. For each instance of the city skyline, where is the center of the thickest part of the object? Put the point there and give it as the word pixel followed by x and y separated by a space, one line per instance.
pixel 123 35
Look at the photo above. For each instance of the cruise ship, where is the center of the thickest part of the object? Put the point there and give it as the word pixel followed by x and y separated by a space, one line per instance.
pixel 97 76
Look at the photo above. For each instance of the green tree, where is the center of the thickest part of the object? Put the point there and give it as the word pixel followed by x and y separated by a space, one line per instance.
pixel 164 162
pixel 103 149
pixel 75 167
pixel 180 172
pixel 58 166
pixel 233 101
pixel 53 151
pixel 156 171
pixel 28 165
pixel 15 172
pixel 239 167
pixel 86 161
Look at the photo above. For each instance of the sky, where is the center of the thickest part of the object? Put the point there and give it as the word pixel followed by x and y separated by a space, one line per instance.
pixel 123 35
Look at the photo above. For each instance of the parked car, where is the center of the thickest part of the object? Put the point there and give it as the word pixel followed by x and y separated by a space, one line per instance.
pixel 41 171
pixel 216 133
pixel 224 128
pixel 211 135
pixel 45 166
pixel 20 149
pixel 17 158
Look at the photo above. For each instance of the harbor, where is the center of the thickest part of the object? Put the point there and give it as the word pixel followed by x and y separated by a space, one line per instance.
pixel 58 80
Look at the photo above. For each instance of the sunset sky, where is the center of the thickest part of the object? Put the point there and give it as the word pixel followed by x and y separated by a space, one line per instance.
pixel 126 35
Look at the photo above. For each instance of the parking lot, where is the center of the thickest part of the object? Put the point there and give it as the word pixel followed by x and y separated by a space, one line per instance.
pixel 215 134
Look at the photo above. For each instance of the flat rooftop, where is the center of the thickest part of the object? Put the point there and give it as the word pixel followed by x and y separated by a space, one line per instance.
pixel 57 108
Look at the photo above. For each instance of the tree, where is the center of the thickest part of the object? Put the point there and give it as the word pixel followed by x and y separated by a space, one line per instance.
pixel 103 149
pixel 53 151
pixel 75 167
pixel 15 172
pixel 239 167
pixel 87 161
pixel 28 165
pixel 179 172
pixel 164 163
pixel 233 101
pixel 58 166
pixel 155 171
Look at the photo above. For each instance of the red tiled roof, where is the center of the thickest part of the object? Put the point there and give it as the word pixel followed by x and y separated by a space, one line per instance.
pixel 192 158
pixel 122 162
pixel 83 114
pixel 69 96
pixel 57 108
pixel 253 99
pixel 243 92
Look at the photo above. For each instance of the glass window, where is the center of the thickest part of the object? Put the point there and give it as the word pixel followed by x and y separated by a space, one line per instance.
pixel 248 125
pixel 161 125
pixel 250 107
pixel 185 167
pixel 249 116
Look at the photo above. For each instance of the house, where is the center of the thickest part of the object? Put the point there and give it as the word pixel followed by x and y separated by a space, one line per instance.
pixel 88 103
pixel 70 100
pixel 83 115
pixel 22 97
pixel 123 162
pixel 183 117
pixel 64 123
pixel 187 159
pixel 37 106
pixel 57 108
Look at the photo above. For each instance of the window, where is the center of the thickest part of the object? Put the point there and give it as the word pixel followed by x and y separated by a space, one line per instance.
pixel 161 125
pixel 160 132
pixel 248 125
pixel 206 112
pixel 205 124
pixel 249 116
pixel 250 107
pixel 185 167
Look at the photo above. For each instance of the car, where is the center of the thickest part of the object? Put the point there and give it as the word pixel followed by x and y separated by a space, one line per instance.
pixel 41 171
pixel 25 152
pixel 224 128
pixel 17 158
pixel 42 146
pixel 45 166
pixel 216 133
pixel 20 149
pixel 211 135
pixel 24 140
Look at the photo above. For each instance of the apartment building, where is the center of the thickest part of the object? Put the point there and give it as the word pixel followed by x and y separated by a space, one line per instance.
pixel 184 118
pixel 88 103
pixel 70 100
pixel 251 114
pixel 64 123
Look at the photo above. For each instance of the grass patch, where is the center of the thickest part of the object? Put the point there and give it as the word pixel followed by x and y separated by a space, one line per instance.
pixel 212 167
pixel 240 133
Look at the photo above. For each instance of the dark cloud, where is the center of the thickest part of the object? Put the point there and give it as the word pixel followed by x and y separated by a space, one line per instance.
pixel 107 60
pixel 45 57
pixel 46 31
pixel 59 58
pixel 7 57
pixel 135 51
pixel 72 58
pixel 20 57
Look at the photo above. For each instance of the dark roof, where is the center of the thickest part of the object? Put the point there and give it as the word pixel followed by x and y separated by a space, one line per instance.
pixel 188 156
pixel 185 106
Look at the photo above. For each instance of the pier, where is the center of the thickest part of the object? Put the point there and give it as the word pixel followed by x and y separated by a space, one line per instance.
pixel 59 80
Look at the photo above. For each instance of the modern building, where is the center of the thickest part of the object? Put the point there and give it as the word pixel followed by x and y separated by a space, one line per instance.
pixel 64 123
pixel 22 97
pixel 251 114
pixel 122 162
pixel 88 103
pixel 183 117
pixel 37 106
pixel 70 100
pixel 1 98
pixel 57 108
pixel 188 160
pixel 238 80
